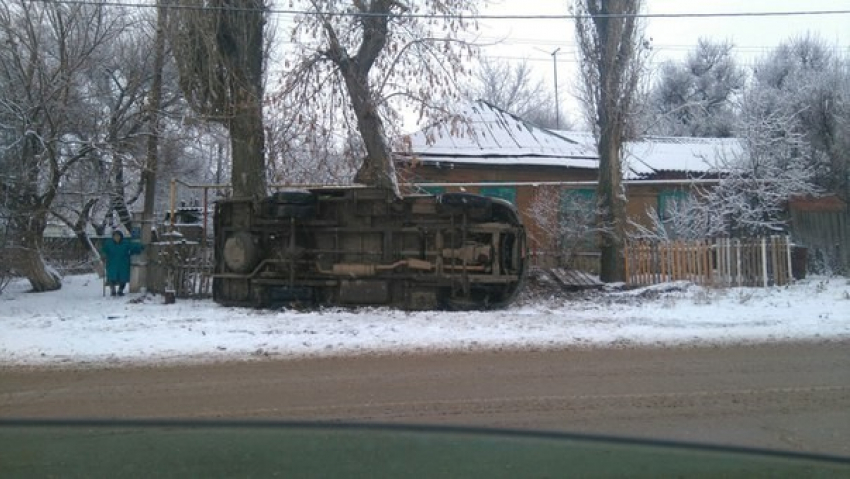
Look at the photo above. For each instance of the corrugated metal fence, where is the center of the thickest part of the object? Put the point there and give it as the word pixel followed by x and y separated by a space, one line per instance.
pixel 826 234
pixel 720 262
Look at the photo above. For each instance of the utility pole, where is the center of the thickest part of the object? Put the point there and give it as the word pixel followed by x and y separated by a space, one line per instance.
pixel 557 106
pixel 149 174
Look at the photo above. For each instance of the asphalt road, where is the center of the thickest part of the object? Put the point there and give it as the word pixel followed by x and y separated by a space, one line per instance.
pixel 784 396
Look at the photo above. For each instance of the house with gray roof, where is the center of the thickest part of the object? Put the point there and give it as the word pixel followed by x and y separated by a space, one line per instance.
pixel 486 150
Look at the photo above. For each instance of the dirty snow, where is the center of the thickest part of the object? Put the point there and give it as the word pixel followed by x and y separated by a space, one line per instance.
pixel 78 326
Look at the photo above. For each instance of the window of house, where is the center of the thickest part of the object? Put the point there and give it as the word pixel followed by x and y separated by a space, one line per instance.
pixel 668 199
pixel 577 217
pixel 577 200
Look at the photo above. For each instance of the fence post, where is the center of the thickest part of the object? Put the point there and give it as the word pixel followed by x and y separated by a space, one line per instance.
pixel 722 259
pixel 626 261
pixel 788 258
pixel 771 265
pixel 764 261
pixel 737 244
pixel 718 258
pixel 775 262
pixel 674 261
pixel 692 259
pixel 731 271
pixel 655 263
pixel 719 246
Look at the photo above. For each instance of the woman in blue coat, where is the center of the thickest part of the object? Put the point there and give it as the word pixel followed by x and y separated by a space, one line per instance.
pixel 116 255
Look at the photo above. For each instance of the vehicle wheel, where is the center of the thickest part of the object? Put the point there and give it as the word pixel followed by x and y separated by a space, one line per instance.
pixel 294 211
pixel 291 204
pixel 476 207
pixel 294 197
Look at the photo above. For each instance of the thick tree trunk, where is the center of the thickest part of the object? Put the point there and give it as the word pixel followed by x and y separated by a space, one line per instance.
pixel 247 141
pixel 247 136
pixel 611 211
pixel 378 168
pixel 610 45
pixel 41 277
pixel 29 241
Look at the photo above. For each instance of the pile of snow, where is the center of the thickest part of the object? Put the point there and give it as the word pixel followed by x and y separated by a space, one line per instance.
pixel 77 325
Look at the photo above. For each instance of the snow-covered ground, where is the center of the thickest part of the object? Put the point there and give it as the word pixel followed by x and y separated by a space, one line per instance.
pixel 78 326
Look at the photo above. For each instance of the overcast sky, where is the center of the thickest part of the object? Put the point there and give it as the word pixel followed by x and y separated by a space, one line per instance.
pixel 672 38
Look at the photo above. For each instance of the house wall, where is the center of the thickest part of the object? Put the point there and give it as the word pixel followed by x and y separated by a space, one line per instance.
pixel 640 197
pixel 525 194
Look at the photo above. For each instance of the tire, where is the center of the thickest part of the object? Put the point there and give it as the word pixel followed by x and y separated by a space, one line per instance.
pixel 464 200
pixel 476 207
pixel 298 204
pixel 294 197
pixel 293 211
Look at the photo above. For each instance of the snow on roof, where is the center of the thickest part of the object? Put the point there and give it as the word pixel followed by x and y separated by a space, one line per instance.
pixel 654 154
pixel 484 134
pixel 589 163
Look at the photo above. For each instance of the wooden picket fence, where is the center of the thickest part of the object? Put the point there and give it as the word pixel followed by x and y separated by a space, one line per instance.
pixel 719 262
pixel 183 268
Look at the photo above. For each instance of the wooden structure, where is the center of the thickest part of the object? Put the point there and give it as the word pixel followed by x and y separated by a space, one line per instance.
pixel 822 226
pixel 762 262
pixel 574 280
pixel 181 268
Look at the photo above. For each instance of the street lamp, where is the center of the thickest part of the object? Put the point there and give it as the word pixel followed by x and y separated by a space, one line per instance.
pixel 555 68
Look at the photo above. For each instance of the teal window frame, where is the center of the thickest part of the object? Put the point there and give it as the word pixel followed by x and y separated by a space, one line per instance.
pixel 668 197
pixel 576 200
pixel 569 197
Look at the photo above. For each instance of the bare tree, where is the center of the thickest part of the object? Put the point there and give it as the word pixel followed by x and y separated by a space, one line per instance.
pixel 46 115
pixel 513 88
pixel 219 47
pixel 613 57
pixel 695 97
pixel 304 151
pixel 356 62
pixel 102 188
pixel 803 79
pixel 750 199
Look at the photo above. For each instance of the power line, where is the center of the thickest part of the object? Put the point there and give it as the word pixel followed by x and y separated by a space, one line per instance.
pixel 501 41
pixel 452 16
